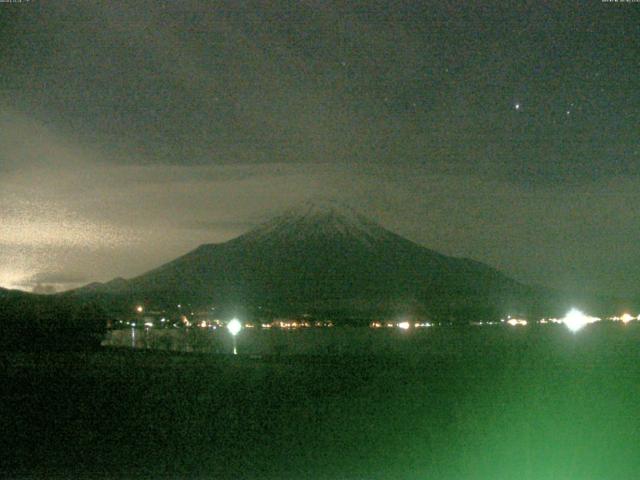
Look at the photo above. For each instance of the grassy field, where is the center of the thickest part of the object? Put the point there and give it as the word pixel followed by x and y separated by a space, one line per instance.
pixel 544 406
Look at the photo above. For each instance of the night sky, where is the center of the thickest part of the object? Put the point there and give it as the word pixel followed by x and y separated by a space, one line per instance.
pixel 508 132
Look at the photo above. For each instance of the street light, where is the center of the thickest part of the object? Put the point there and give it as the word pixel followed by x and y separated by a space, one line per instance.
pixel 234 327
pixel 576 320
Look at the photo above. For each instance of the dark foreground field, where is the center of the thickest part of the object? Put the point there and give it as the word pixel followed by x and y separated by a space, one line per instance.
pixel 545 405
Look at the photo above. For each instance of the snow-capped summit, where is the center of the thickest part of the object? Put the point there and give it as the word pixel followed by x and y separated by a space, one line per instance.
pixel 319 218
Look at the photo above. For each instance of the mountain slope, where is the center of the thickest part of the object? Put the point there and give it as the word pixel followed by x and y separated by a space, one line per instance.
pixel 323 258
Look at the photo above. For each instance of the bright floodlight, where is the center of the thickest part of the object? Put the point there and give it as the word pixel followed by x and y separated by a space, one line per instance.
pixel 234 327
pixel 575 320
pixel 626 318
pixel 404 325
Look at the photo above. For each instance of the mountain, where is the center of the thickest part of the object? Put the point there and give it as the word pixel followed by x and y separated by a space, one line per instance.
pixel 33 322
pixel 6 294
pixel 326 259
pixel 116 285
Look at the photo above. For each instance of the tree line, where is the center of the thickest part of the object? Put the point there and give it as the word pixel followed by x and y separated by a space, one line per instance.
pixel 43 322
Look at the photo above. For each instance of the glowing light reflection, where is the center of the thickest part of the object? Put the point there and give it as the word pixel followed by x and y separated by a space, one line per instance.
pixel 575 320
pixel 234 327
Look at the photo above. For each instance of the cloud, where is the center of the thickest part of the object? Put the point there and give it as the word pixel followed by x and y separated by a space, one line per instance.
pixel 49 282
pixel 217 225
pixel 59 277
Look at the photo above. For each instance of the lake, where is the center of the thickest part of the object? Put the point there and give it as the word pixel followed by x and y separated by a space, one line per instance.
pixel 442 403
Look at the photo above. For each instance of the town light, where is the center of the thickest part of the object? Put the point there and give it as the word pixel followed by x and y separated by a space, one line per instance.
pixel 234 327
pixel 514 322
pixel 576 320
pixel 139 309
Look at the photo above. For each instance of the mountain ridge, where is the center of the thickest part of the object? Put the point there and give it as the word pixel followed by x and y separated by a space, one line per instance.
pixel 328 260
pixel 323 258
